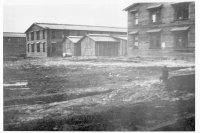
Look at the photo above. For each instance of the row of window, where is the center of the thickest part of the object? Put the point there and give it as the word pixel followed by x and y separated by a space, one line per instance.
pixel 31 47
pixel 181 12
pixel 180 41
pixel 37 33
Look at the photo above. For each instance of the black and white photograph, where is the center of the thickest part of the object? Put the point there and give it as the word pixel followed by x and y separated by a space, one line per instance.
pixel 98 65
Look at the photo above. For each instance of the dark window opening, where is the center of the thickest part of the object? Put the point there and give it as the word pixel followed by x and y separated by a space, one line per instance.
pixel 155 41
pixel 32 35
pixel 27 35
pixel 43 34
pixel 155 16
pixel 32 47
pixel 28 47
pixel 181 11
pixel 136 18
pixel 43 47
pixel 53 34
pixel 38 35
pixel 181 40
pixel 38 47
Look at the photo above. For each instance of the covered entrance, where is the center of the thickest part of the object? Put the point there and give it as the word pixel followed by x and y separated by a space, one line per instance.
pixel 154 38
pixel 180 37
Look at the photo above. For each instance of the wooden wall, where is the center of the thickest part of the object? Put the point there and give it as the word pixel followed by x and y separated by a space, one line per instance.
pixel 68 48
pixel 122 48
pixel 14 46
pixel 87 47
pixel 167 23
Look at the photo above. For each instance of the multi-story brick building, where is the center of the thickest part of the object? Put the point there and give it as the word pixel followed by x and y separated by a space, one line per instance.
pixel 160 28
pixel 45 39
pixel 14 44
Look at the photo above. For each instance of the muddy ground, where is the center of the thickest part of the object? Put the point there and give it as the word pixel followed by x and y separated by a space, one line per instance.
pixel 107 94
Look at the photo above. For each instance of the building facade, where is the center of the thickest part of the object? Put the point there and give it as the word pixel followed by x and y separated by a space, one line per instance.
pixel 45 39
pixel 160 28
pixel 14 44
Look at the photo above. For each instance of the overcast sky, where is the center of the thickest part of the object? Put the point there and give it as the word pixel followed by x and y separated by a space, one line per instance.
pixel 18 15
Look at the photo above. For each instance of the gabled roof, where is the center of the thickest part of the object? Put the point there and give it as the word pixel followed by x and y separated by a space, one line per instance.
pixel 74 39
pixel 13 34
pixel 78 27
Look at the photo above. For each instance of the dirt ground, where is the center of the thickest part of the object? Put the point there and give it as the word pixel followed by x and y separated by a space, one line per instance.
pixel 106 94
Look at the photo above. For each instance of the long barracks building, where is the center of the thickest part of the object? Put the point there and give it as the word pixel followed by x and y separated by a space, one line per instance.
pixel 45 39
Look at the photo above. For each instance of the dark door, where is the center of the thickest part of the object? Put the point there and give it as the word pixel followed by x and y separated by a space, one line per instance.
pixel 77 49
pixel 155 40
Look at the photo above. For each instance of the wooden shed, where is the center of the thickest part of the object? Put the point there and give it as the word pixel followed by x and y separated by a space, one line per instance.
pixel 99 45
pixel 71 47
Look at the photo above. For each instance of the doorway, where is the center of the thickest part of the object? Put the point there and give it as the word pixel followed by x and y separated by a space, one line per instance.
pixel 155 41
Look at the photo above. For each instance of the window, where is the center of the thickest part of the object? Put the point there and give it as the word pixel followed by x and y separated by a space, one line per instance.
pixel 32 35
pixel 44 47
pixel 38 35
pixel 181 11
pixel 38 47
pixel 28 47
pixel 53 34
pixel 135 40
pixel 135 17
pixel 27 35
pixel 43 34
pixel 155 16
pixel 32 47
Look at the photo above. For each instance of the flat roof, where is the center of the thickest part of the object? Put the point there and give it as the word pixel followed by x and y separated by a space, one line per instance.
pixel 179 29
pixel 102 38
pixel 13 34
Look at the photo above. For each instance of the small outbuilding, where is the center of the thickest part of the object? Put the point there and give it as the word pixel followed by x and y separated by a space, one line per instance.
pixel 71 47
pixel 99 45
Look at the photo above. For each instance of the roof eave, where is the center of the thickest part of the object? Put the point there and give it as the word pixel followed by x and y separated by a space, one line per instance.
pixel 127 8
pixel 32 25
